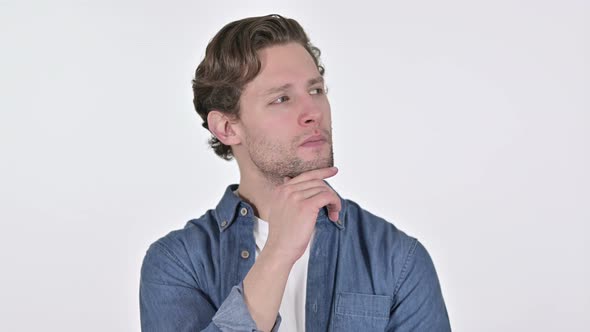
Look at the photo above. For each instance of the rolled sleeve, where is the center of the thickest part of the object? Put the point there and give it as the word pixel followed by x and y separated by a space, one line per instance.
pixel 233 314
pixel 171 300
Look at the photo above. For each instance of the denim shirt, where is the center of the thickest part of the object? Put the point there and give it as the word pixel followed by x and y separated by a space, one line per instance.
pixel 364 275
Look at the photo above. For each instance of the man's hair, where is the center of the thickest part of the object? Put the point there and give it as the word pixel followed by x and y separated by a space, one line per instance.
pixel 231 61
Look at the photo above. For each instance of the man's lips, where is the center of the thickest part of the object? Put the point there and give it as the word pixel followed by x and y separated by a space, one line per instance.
pixel 315 140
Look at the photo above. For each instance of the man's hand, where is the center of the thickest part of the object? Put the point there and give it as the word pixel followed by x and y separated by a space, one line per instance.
pixel 294 210
pixel 291 220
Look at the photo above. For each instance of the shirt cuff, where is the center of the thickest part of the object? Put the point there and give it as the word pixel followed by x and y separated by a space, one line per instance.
pixel 233 314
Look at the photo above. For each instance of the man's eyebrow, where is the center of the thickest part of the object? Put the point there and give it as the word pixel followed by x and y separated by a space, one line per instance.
pixel 319 79
pixel 281 88
pixel 287 86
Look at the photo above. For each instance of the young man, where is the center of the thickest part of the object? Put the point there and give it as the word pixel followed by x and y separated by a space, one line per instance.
pixel 282 249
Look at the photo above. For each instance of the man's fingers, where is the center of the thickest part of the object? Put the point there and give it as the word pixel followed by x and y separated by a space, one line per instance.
pixel 310 192
pixel 334 209
pixel 310 186
pixel 329 199
pixel 333 214
pixel 304 185
pixel 320 173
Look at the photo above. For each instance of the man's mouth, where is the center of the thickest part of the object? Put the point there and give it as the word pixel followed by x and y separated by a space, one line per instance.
pixel 314 141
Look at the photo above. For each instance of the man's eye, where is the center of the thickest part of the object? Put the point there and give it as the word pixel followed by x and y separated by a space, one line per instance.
pixel 317 91
pixel 280 100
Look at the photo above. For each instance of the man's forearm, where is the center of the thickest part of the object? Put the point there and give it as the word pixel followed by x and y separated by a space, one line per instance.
pixel 292 216
pixel 264 286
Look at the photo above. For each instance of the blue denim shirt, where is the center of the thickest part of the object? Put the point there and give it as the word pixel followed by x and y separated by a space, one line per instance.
pixel 364 275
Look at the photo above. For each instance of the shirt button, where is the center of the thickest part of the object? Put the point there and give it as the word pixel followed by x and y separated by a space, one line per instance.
pixel 245 254
pixel 339 222
pixel 223 223
pixel 244 211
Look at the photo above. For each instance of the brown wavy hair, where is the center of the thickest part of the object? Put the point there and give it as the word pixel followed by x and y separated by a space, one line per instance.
pixel 231 61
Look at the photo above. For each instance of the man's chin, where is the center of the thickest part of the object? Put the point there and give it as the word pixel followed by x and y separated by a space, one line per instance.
pixel 310 165
pixel 319 159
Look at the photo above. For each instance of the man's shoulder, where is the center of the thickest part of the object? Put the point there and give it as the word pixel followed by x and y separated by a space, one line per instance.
pixel 366 227
pixel 196 232
pixel 359 217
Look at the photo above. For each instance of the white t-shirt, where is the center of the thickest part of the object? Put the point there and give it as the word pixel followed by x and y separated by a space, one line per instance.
pixel 292 308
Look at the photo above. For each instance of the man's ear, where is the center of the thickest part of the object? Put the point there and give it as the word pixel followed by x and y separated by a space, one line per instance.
pixel 222 127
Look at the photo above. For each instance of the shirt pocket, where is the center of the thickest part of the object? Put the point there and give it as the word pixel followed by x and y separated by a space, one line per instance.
pixel 361 312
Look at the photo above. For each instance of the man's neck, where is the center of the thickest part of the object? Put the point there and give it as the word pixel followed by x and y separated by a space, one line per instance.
pixel 257 190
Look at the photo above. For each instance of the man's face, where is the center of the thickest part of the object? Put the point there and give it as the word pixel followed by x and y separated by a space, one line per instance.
pixel 285 118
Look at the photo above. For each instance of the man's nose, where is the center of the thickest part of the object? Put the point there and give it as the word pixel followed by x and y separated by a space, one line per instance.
pixel 311 112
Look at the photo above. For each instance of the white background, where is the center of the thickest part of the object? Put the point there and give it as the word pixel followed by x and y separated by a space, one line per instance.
pixel 463 122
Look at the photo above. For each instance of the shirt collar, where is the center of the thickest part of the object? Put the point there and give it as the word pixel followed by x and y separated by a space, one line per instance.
pixel 227 210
